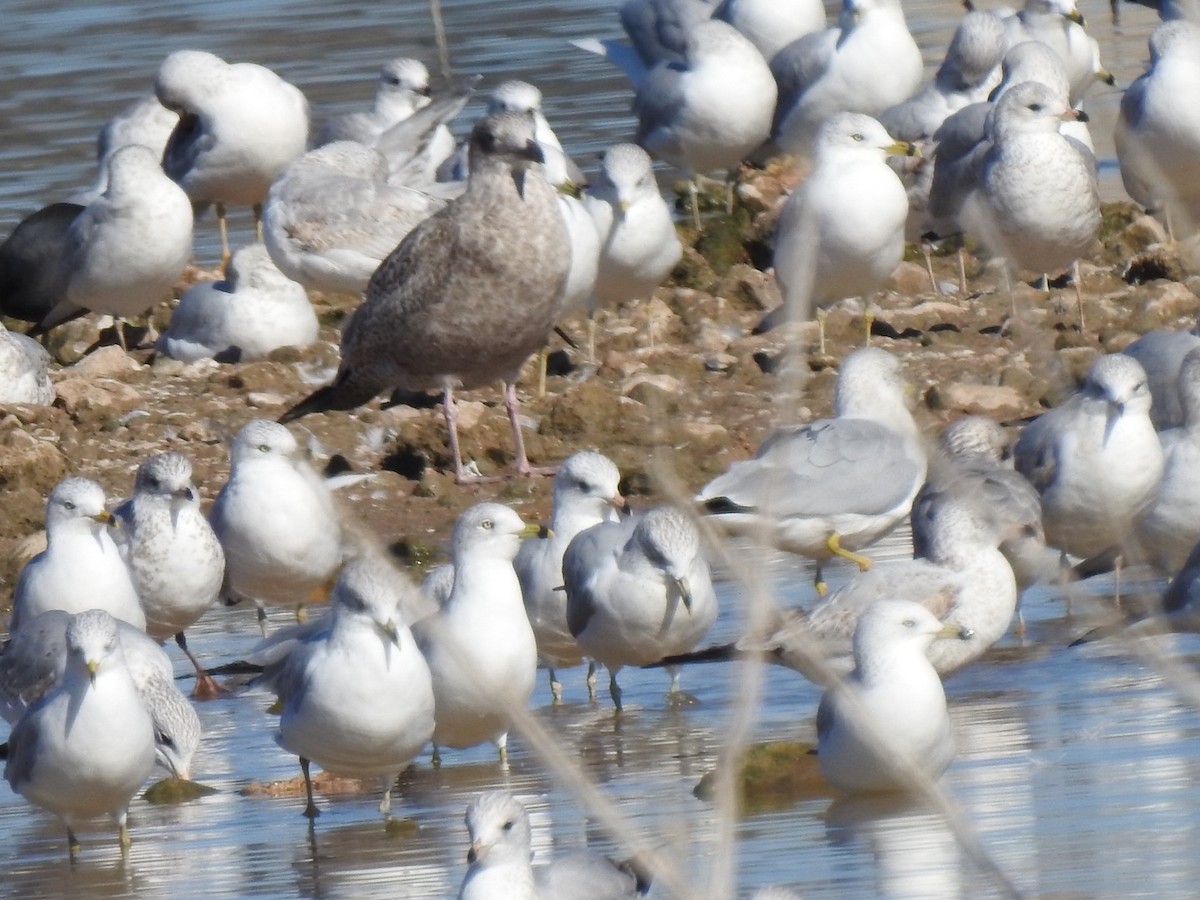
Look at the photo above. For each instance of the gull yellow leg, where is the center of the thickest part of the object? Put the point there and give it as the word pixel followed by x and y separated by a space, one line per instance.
pixel 834 543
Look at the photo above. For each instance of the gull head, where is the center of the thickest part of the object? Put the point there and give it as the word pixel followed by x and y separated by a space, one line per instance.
pixel 505 137
pixel 975 437
pixel 488 530
pixel 588 481
pixel 1120 381
pixel 1029 108
pixel 404 76
pixel 626 176
pixel 262 439
pixel 669 541
pixel 371 589
pixel 91 640
pixel 899 627
pixel 76 504
pixel 870 379
pixel 185 77
pixel 167 475
pixel 848 132
pixel 515 97
pixel 498 827
pixel 252 268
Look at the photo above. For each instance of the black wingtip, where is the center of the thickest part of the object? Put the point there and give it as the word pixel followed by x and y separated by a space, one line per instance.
pixel 719 653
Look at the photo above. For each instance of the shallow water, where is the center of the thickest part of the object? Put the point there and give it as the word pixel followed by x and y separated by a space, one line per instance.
pixel 1076 767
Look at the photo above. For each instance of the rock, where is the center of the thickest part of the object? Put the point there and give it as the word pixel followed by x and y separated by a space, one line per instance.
pixel 658 392
pixel 996 401
pixel 1169 300
pixel 78 395
pixel 749 288
pixel 39 466
pixel 109 361
pixel 1145 231
pixel 263 399
pixel 710 338
pixel 469 413
pixel 909 279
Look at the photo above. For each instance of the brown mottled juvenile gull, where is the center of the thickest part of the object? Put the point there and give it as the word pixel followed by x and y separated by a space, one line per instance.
pixel 469 295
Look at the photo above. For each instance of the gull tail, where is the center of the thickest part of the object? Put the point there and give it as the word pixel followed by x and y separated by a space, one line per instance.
pixel 346 392
pixel 719 653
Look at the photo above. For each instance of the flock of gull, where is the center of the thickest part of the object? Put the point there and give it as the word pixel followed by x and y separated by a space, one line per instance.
pixel 466 258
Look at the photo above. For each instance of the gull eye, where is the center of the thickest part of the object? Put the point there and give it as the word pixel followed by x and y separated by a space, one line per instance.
pixel 486 524
pixel 264 448
pixel 508 826
pixel 909 623
pixel 68 505
pixel 857 136
pixel 1035 107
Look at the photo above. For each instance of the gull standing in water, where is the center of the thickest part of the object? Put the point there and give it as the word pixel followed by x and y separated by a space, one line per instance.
pixel 468 296
pixel 239 125
pixel 172 552
pixel 585 494
pixel 88 745
pixel 81 567
pixel 479 644
pixel 1096 459
pixel 500 868
pixel 355 693
pixel 889 717
pixel 637 591
pixel 833 486
pixel 277 523
pixel 35 661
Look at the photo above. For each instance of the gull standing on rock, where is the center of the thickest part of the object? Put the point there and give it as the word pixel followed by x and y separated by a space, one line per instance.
pixel 331 218
pixel 1158 130
pixel 81 567
pixel 889 718
pixel 239 125
pixel 86 748
pixel 833 486
pixel 469 295
pixel 841 234
pixel 479 645
pixel 24 370
pixel 356 695
pixel 867 63
pixel 255 309
pixel 500 861
pixel 1037 202
pixel 639 245
pixel 35 662
pixel 637 591
pixel 1096 459
pixel 585 494
pixel 277 522
pixel 172 552
pixel 127 249
pixel 710 112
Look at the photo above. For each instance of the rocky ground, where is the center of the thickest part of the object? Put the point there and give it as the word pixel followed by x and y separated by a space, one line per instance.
pixel 681 388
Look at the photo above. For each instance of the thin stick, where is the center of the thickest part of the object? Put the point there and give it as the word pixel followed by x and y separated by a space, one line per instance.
pixel 439 33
